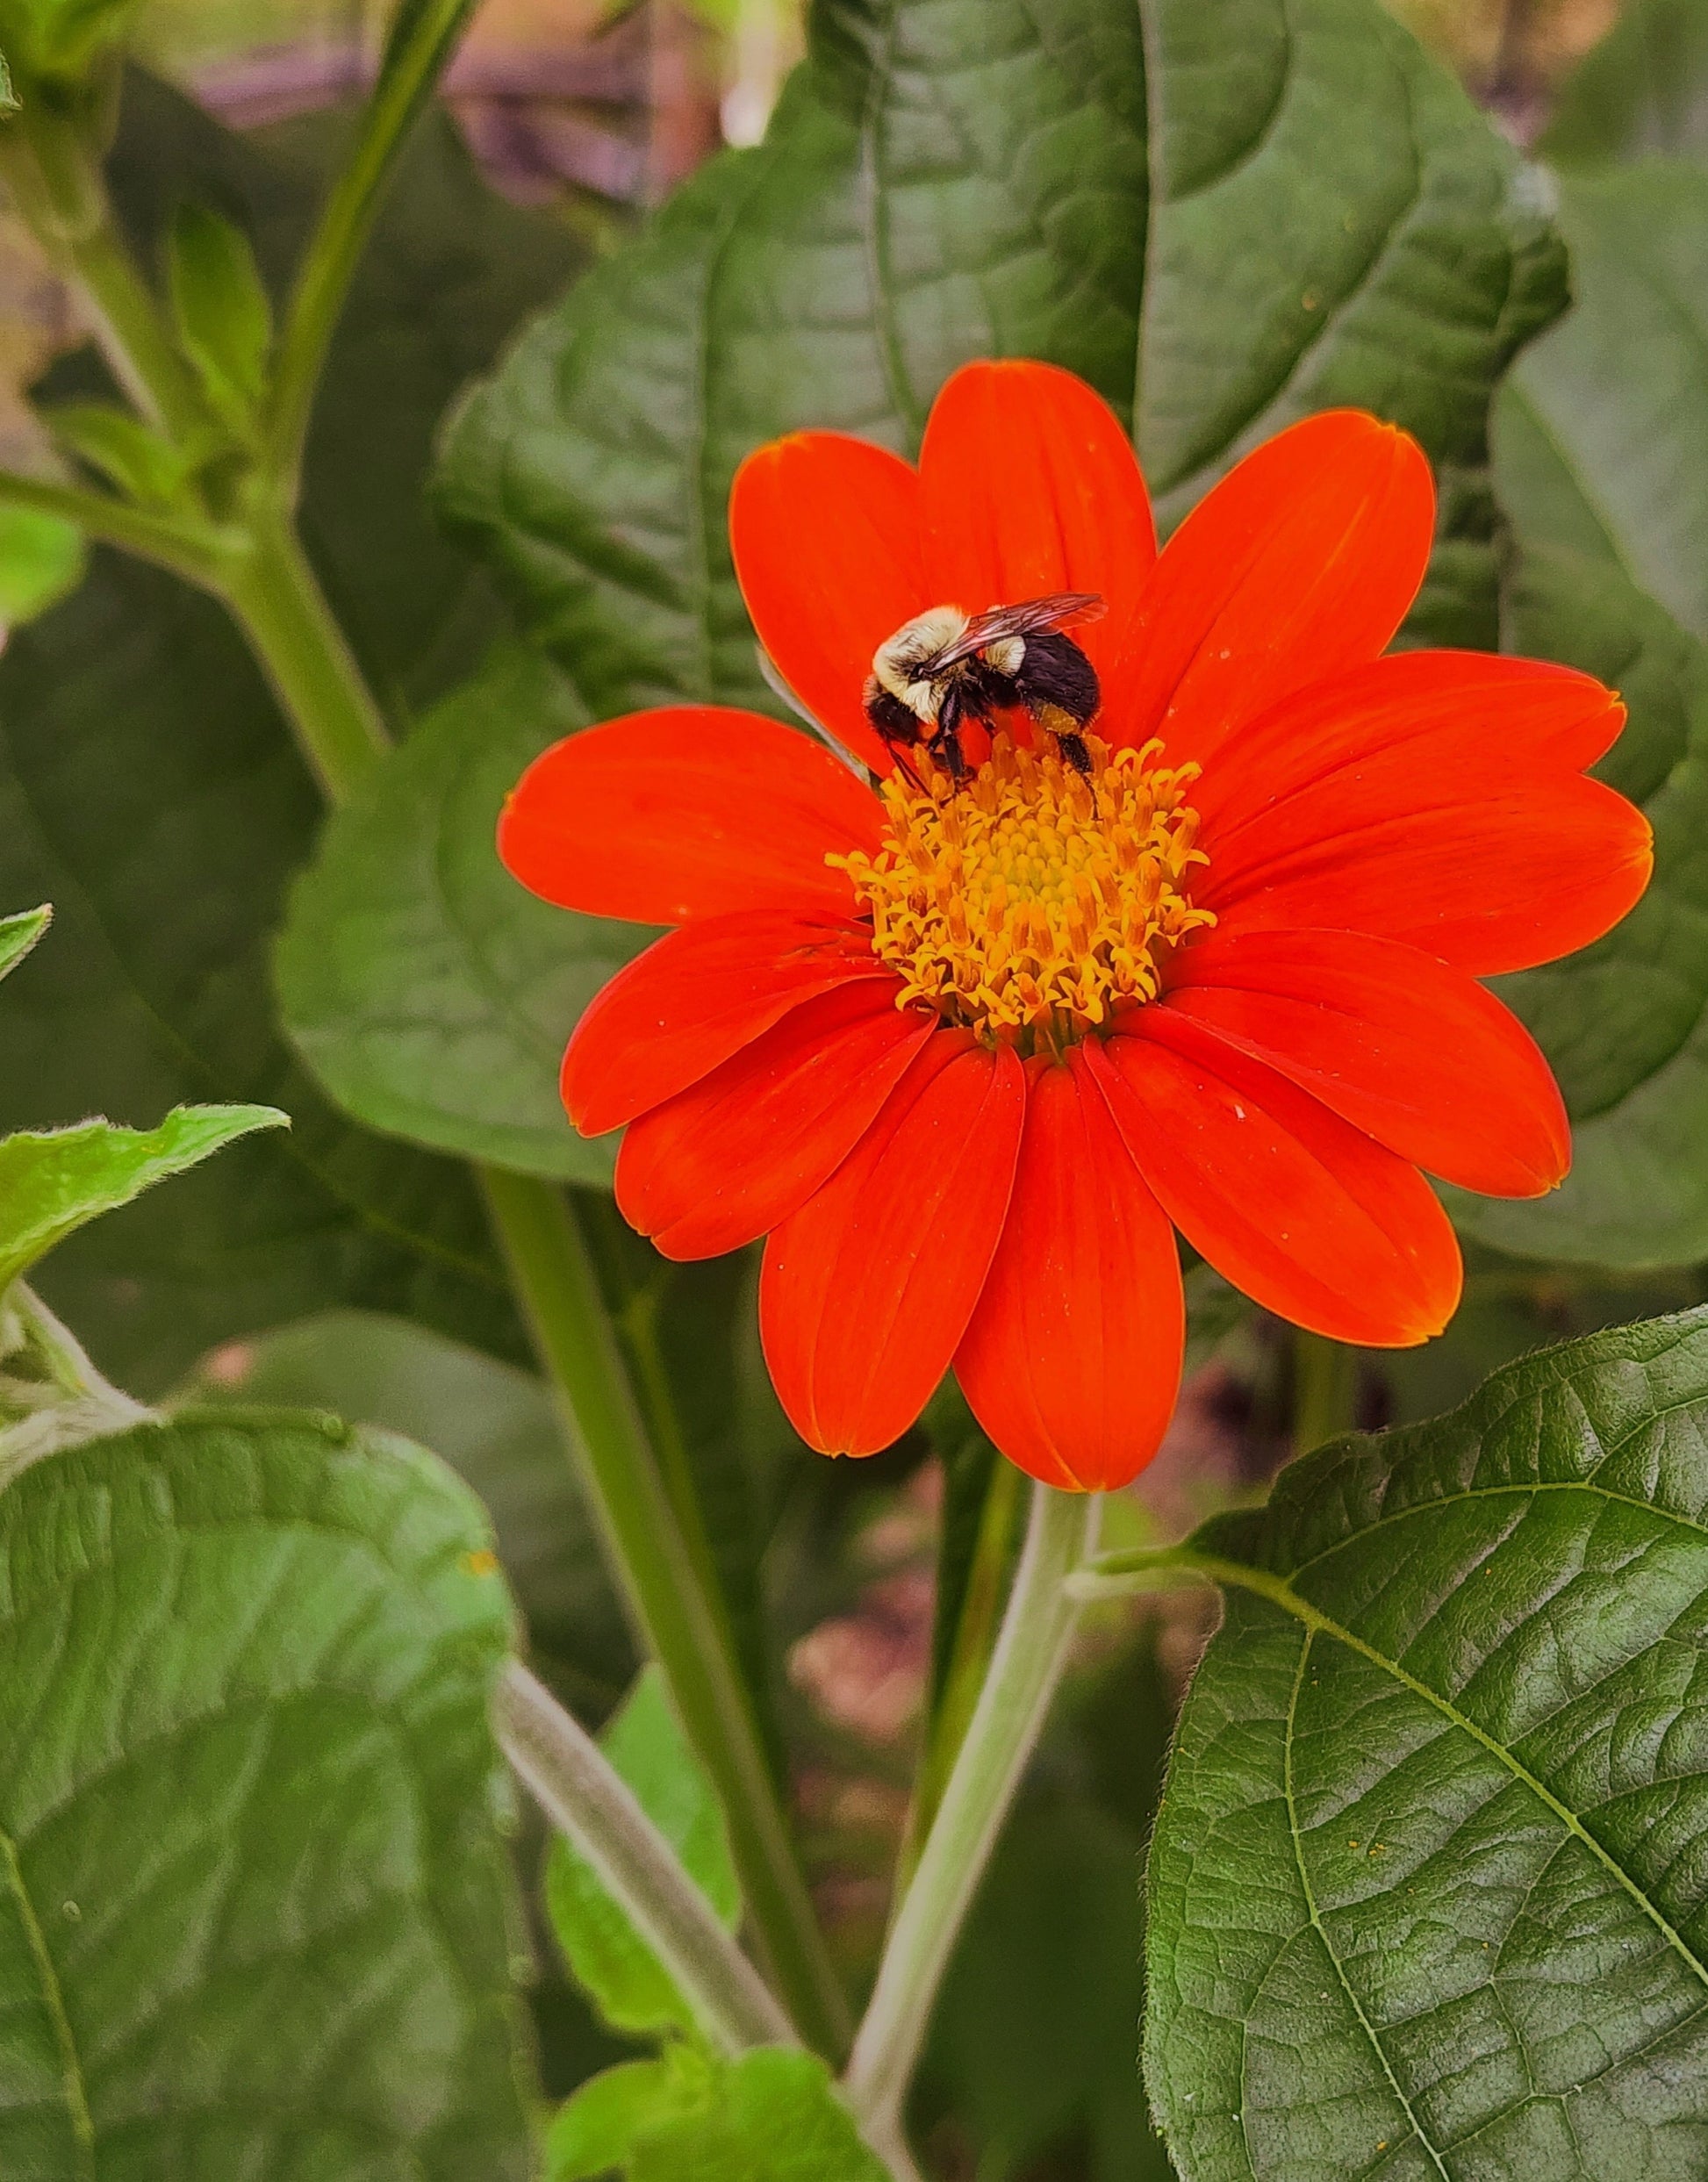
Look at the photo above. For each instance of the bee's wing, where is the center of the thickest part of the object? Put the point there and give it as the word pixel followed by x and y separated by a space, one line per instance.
pixel 1058 610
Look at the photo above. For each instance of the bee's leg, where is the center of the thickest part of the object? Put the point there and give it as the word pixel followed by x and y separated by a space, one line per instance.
pixel 905 764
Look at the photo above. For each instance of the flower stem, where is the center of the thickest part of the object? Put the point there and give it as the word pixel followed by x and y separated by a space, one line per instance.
pixel 273 593
pixel 969 1657
pixel 1024 1670
pixel 50 162
pixel 588 1800
pixel 555 1278
pixel 414 59
pixel 1324 1389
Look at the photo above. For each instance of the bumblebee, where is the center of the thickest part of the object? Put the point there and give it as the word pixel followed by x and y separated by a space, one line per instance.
pixel 945 667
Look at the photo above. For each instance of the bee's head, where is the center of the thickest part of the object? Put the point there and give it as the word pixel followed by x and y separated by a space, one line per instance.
pixel 902 663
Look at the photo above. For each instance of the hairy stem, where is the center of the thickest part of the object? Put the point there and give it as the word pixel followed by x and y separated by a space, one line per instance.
pixel 412 65
pixel 195 551
pixel 555 1278
pixel 273 592
pixel 1324 1389
pixel 1024 1670
pixel 969 1657
pixel 579 1791
pixel 50 162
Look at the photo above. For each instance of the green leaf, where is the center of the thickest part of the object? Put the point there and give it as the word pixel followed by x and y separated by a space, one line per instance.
pixel 148 785
pixel 1428 1889
pixel 619 1970
pixel 1331 223
pixel 431 995
pixel 257 1916
pixel 221 307
pixel 41 559
pixel 596 2130
pixel 60 37
pixel 1600 442
pixel 52 1182
pixel 19 934
pixel 774 2118
pixel 497 1428
pixel 143 463
pixel 9 101
pixel 1643 90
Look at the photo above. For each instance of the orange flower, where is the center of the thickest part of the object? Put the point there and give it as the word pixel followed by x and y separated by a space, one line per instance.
pixel 963 1054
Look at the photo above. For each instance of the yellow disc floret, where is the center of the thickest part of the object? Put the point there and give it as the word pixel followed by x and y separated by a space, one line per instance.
pixel 1032 900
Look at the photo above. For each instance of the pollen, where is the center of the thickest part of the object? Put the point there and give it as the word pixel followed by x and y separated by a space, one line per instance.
pixel 1032 901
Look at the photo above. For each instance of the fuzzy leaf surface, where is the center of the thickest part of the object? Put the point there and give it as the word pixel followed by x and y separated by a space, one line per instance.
pixel 53 1181
pixel 256 1911
pixel 1429 1886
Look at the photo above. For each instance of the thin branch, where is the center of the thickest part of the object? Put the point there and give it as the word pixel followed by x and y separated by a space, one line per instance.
pixel 576 1787
pixel 423 41
pixel 1024 1670
pixel 196 550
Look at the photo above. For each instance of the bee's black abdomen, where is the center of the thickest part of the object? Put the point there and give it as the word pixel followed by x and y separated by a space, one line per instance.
pixel 1054 671
pixel 889 716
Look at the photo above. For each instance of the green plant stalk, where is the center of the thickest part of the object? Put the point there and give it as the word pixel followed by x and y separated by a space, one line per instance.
pixel 580 1791
pixel 1324 1389
pixel 52 169
pixel 975 1634
pixel 194 550
pixel 273 593
pixel 555 1280
pixel 1024 1670
pixel 409 70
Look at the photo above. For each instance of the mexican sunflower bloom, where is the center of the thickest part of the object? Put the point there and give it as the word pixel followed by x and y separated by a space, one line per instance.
pixel 966 1050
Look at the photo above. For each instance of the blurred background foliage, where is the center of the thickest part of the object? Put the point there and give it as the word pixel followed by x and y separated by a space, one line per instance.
pixel 587 114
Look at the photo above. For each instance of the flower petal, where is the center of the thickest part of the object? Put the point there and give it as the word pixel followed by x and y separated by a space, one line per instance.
pixel 825 532
pixel 1489 877
pixel 1029 485
pixel 690 811
pixel 866 1290
pixel 695 997
pixel 1301 561
pixel 1295 1206
pixel 1072 1360
pixel 1419 716
pixel 731 1157
pixel 1418 1055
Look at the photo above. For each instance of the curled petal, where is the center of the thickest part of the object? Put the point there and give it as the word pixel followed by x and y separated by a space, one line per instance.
pixel 1303 560
pixel 1295 1206
pixel 825 532
pixel 866 1290
pixel 1030 485
pixel 691 811
pixel 695 997
pixel 1072 1360
pixel 1415 1053
pixel 728 1160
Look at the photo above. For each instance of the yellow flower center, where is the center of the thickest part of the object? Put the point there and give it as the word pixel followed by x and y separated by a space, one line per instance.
pixel 1033 901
